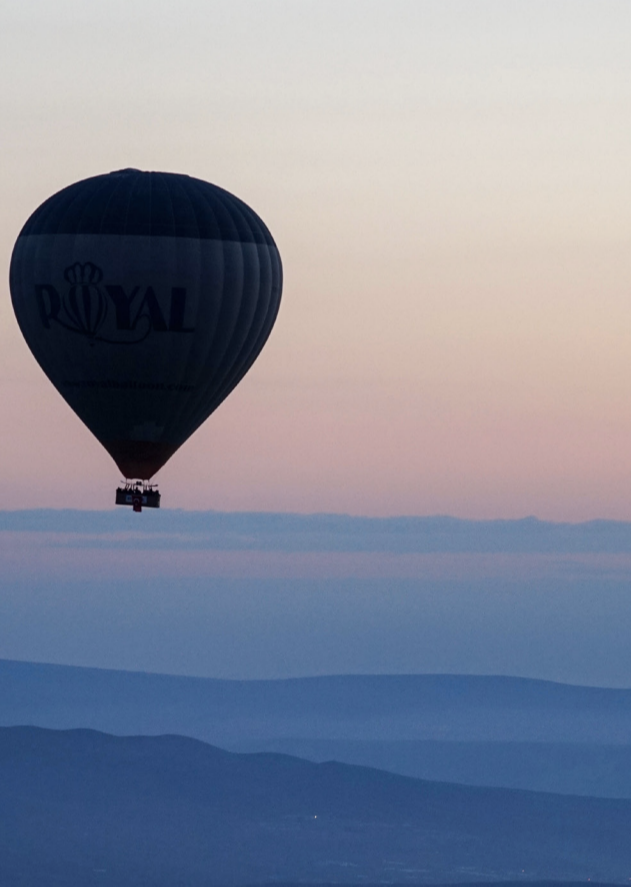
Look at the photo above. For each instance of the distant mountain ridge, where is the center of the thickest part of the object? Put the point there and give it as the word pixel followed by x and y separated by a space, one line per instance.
pixel 575 768
pixel 80 808
pixel 503 732
pixel 378 707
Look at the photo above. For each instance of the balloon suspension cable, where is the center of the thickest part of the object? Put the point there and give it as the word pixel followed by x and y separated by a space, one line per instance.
pixel 138 494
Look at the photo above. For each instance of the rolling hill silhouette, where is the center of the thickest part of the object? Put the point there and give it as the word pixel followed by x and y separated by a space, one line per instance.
pixel 348 707
pixel 81 807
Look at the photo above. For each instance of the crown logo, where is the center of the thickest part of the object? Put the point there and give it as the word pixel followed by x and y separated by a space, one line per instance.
pixel 84 275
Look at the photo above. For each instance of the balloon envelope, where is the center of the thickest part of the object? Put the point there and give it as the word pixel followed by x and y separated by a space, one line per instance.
pixel 145 297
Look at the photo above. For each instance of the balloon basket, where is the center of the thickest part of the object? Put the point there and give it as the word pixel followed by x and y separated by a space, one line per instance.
pixel 138 495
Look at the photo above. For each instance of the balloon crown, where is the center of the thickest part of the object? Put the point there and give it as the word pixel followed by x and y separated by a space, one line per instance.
pixel 83 275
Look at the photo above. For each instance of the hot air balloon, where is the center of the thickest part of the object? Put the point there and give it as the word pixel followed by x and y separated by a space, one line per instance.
pixel 145 297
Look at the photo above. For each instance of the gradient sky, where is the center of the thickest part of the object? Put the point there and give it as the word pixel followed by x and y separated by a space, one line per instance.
pixel 449 184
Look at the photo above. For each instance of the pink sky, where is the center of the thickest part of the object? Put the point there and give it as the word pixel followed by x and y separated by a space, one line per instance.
pixel 449 186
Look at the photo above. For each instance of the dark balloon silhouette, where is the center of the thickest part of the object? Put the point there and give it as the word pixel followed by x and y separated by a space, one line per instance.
pixel 145 297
